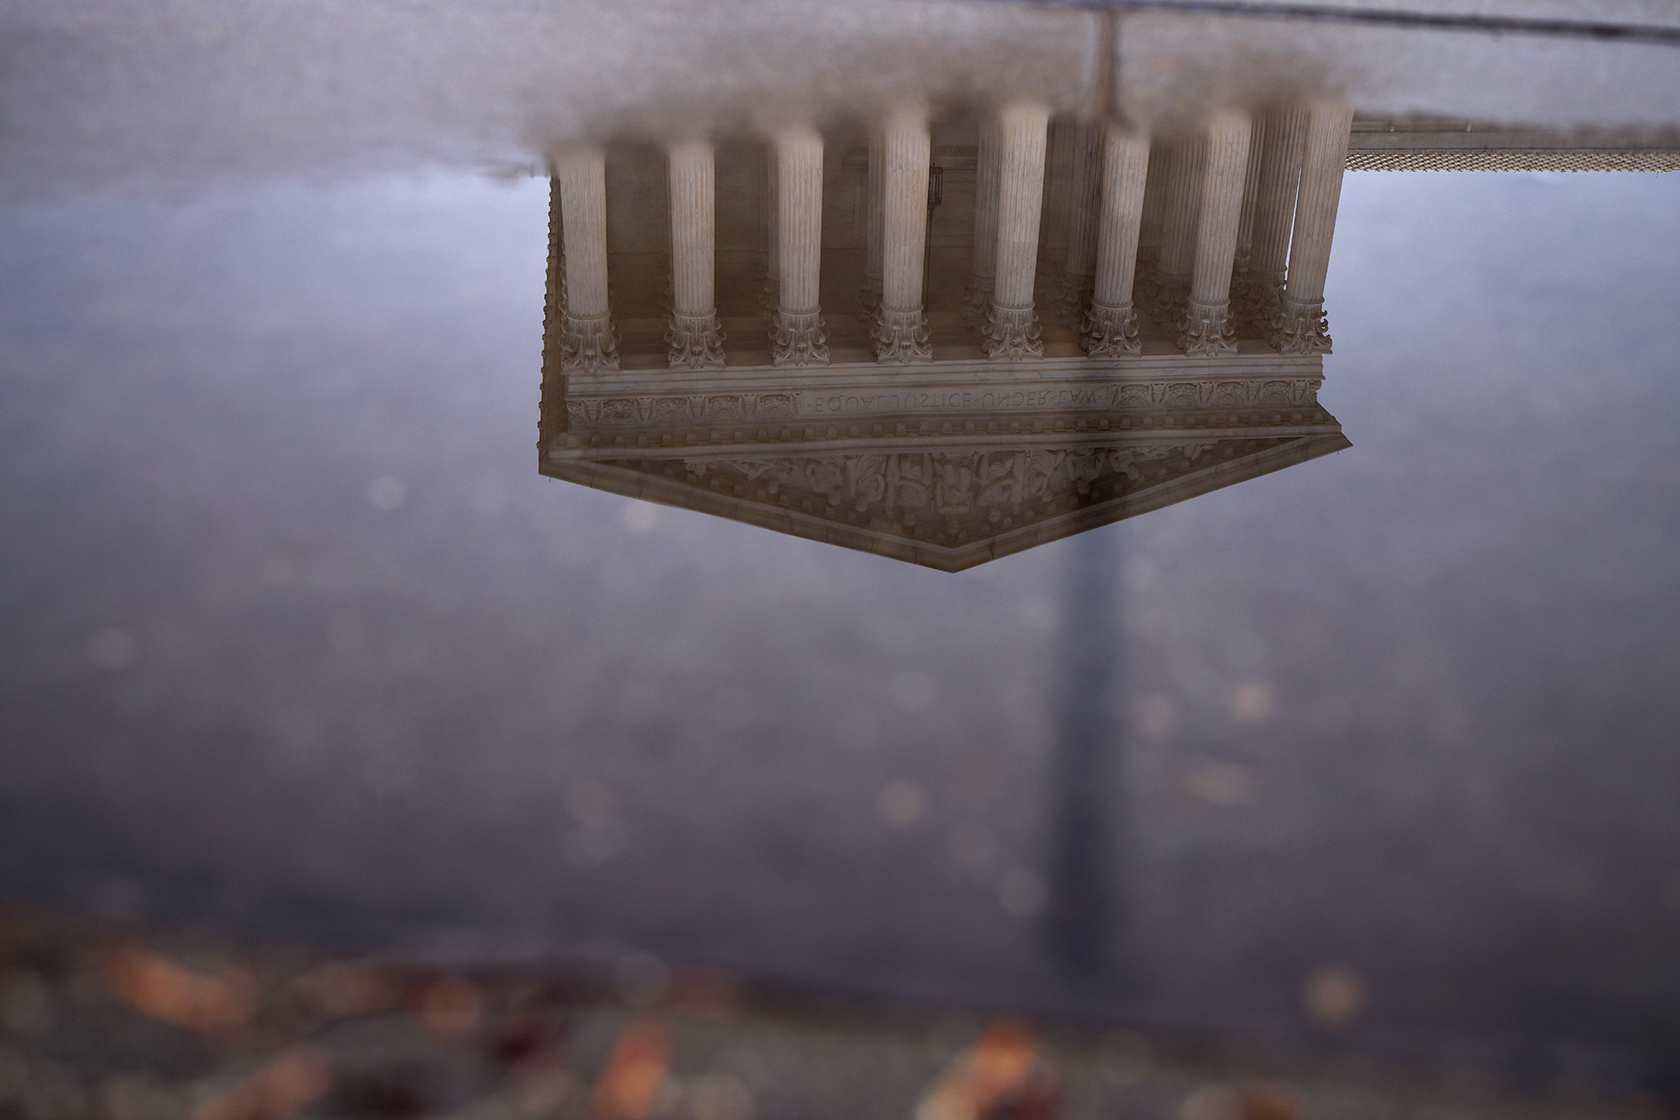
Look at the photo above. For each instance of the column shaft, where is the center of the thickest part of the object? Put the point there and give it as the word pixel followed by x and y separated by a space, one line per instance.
pixel 798 338
pixel 1084 194
pixel 874 217
pixel 772 290
pixel 901 333
pixel 985 221
pixel 1251 188
pixel 1011 326
pixel 1281 134
pixel 1205 327
pixel 1110 326
pixel 1059 145
pixel 1301 327
pixel 1180 206
pixel 693 338
pixel 587 341
pixel 1154 200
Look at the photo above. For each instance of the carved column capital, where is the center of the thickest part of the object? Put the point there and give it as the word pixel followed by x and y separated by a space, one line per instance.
pixel 1011 333
pixel 588 344
pixel 1110 332
pixel 1300 328
pixel 902 336
pixel 797 338
pixel 1206 328
pixel 1258 298
pixel 695 342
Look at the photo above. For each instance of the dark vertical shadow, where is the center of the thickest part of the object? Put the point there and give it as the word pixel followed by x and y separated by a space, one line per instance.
pixel 1083 915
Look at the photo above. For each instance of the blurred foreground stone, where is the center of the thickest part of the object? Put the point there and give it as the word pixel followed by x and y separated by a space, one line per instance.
pixel 105 1024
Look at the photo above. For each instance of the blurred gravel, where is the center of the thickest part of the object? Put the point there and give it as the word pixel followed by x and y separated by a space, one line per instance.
pixel 103 1024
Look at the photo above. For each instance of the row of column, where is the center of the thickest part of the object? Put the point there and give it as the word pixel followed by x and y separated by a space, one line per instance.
pixel 1241 215
pixel 1232 223
pixel 900 158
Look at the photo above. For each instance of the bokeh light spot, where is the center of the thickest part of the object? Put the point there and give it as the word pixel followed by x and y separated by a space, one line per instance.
pixel 386 494
pixel 114 648
pixel 901 802
pixel 1333 996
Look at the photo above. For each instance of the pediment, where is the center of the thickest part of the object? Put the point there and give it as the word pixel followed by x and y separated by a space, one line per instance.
pixel 948 488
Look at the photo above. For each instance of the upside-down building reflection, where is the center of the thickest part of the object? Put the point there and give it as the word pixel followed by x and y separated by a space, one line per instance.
pixel 943 342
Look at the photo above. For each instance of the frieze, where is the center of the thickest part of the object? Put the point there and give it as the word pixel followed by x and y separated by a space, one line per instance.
pixel 1230 394
pixel 718 408
pixel 673 410
pixel 618 412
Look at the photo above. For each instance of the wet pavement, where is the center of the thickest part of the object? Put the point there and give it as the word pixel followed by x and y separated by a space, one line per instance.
pixel 1375 754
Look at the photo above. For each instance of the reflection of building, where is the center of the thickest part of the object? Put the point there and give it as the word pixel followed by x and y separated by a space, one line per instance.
pixel 953 470
pixel 1073 326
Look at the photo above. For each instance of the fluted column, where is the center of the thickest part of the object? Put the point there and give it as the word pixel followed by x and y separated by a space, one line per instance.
pixel 1110 326
pixel 587 339
pixel 1205 327
pixel 874 216
pixel 1299 326
pixel 1181 203
pixel 1061 140
pixel 797 337
pixel 1154 201
pixel 1281 134
pixel 1011 325
pixel 1251 188
pixel 771 291
pixel 901 331
pixel 1149 227
pixel 1058 155
pixel 979 294
pixel 1084 192
pixel 694 340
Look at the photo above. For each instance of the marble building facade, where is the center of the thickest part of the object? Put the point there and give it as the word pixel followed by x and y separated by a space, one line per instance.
pixel 943 340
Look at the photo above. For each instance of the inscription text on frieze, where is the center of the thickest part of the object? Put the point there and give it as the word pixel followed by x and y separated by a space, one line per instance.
pixel 735 407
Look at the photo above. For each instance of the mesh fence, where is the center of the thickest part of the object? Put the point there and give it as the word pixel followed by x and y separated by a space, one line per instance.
pixel 1511 159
